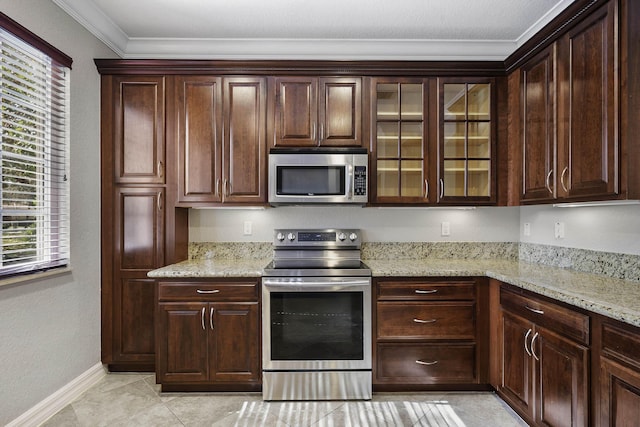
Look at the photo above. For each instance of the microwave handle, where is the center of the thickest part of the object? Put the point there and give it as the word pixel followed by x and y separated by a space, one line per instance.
pixel 349 182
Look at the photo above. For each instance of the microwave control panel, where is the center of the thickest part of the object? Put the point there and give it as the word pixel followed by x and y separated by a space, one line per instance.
pixel 360 181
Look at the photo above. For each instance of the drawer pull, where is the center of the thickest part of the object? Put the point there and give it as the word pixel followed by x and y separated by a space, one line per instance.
pixel 526 337
pixel 425 321
pixel 534 310
pixel 205 291
pixel 420 362
pixel 430 291
pixel 202 318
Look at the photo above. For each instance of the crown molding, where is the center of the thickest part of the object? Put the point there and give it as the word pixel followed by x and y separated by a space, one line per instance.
pixel 543 21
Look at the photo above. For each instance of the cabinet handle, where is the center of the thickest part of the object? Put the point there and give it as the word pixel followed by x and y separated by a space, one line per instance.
pixel 564 171
pixel 217 186
pixel 202 319
pixel 534 310
pixel 160 168
pixel 313 132
pixel 441 188
pixel 211 318
pixel 420 362
pixel 429 291
pixel 526 337
pixel 207 291
pixel 547 183
pixel 425 321
pixel 533 349
pixel 321 132
pixel 426 188
pixel 226 187
pixel 159 200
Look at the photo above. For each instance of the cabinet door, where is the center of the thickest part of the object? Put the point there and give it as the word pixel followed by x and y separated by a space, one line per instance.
pixel 562 381
pixel 296 111
pixel 244 140
pixel 587 107
pixel 198 105
pixel 466 161
pixel 619 395
pixel 538 131
pixel 138 120
pixel 182 342
pixel 517 369
pixel 340 112
pixel 400 140
pixel 234 342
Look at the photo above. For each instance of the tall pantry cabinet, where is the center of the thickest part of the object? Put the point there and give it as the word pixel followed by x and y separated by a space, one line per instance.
pixel 134 215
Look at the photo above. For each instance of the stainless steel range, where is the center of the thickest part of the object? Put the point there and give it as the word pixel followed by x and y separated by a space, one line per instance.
pixel 316 317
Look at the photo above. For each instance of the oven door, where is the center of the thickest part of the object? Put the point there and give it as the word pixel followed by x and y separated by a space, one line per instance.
pixel 316 323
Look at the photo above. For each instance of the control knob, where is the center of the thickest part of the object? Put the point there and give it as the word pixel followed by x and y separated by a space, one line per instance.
pixel 291 237
pixel 280 237
pixel 342 236
pixel 353 237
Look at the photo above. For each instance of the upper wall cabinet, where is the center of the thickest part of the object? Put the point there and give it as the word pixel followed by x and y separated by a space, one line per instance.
pixel 221 129
pixel 400 140
pixel 138 129
pixel 466 152
pixel 569 115
pixel 311 111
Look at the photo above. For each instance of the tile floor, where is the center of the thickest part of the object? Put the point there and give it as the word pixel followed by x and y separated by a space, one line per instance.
pixel 135 400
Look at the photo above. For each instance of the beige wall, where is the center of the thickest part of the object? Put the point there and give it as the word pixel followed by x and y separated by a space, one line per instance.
pixel 50 329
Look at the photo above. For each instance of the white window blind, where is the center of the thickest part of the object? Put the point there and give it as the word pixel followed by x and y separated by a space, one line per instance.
pixel 34 160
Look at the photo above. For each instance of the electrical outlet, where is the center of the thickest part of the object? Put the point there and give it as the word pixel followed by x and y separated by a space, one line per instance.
pixel 445 229
pixel 248 228
pixel 559 230
pixel 527 229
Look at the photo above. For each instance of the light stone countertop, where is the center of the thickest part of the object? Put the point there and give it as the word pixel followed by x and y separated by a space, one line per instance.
pixel 616 298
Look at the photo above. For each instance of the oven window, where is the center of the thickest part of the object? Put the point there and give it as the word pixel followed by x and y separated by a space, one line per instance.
pixel 310 180
pixel 317 325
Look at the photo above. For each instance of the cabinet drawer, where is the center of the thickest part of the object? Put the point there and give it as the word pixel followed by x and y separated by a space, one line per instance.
pixel 426 363
pixel 552 316
pixel 621 343
pixel 419 320
pixel 426 291
pixel 207 291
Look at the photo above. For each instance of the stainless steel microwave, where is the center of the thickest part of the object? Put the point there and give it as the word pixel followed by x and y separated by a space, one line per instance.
pixel 318 175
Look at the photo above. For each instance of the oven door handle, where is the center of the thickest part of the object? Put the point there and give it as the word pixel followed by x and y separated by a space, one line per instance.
pixel 319 283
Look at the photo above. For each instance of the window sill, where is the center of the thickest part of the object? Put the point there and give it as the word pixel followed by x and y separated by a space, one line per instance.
pixel 23 278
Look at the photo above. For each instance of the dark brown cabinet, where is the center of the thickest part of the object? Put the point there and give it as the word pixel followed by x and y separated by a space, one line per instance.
pixel 208 335
pixel 318 111
pixel 221 127
pixel 619 364
pixel 544 361
pixel 426 334
pixel 133 216
pixel 569 93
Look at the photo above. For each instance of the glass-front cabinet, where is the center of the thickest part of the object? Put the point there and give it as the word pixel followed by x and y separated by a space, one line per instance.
pixel 400 140
pixel 466 171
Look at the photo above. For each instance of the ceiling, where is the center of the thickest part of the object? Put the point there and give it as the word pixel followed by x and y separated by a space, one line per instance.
pixel 327 29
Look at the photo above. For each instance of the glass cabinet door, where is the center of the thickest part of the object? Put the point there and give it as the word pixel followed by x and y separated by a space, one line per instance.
pixel 466 129
pixel 399 136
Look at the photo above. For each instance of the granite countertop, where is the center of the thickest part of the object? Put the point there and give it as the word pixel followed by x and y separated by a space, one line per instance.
pixel 616 298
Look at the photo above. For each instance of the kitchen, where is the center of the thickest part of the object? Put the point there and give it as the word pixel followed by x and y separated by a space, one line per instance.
pixel 52 329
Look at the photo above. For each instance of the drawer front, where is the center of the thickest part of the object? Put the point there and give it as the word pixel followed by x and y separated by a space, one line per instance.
pixel 207 291
pixel 426 363
pixel 552 316
pixel 621 342
pixel 426 291
pixel 418 320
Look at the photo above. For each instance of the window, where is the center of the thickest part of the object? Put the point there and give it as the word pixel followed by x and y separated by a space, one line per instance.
pixel 34 153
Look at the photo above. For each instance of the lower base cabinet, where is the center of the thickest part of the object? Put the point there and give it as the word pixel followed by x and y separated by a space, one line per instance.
pixel 619 367
pixel 428 334
pixel 208 336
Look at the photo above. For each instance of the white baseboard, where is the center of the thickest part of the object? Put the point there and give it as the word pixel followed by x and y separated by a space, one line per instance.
pixel 44 410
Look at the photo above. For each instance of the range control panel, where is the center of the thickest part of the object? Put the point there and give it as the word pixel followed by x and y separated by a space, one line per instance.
pixel 320 238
